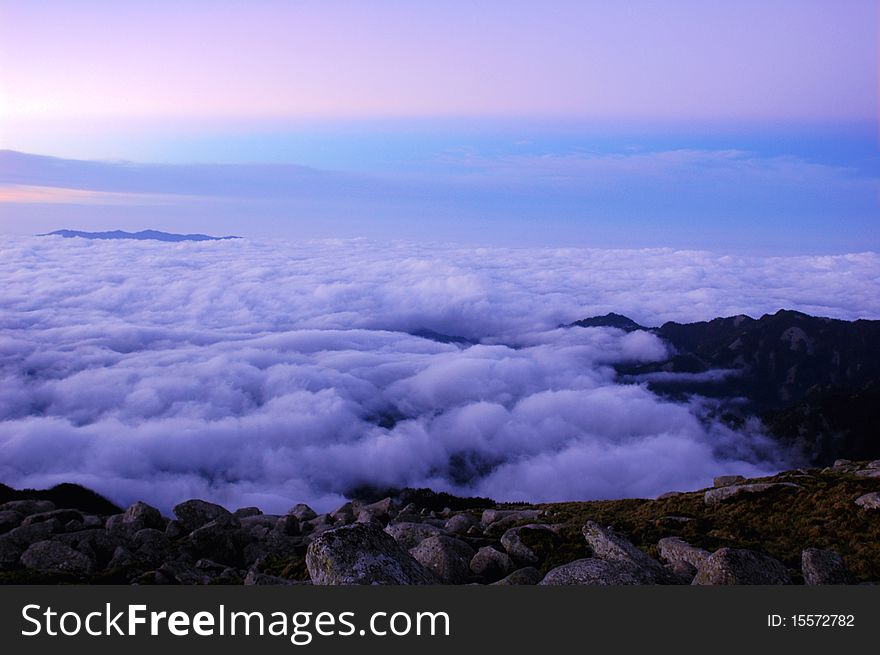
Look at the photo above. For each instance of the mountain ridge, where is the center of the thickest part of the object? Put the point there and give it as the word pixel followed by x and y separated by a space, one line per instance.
pixel 814 381
pixel 143 235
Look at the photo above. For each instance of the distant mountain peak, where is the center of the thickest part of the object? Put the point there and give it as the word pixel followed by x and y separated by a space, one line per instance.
pixel 610 319
pixel 143 235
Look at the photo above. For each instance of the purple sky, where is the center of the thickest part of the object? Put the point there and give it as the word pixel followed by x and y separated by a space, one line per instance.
pixel 790 60
pixel 599 123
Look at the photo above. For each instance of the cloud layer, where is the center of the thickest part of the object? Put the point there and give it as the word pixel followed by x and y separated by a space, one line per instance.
pixel 270 373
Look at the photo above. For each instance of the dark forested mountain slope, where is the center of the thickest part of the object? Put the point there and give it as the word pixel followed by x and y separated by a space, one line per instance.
pixel 815 381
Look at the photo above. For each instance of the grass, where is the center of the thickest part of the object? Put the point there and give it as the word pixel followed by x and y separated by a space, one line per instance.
pixel 781 523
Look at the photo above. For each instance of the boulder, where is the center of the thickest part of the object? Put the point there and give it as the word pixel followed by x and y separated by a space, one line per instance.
pixel 491 564
pixel 26 535
pixel 510 520
pixel 181 572
pixel 869 501
pixel 140 516
pixel 61 515
pixel 609 546
pixel 288 526
pixel 9 519
pixel 527 544
pixel 362 554
pixel 55 557
pixel 152 546
pixel 10 553
pixel 447 557
pixel 720 494
pixel 824 567
pixel 193 514
pixel 302 512
pixel 259 526
pixel 868 473
pixel 733 566
pixel 174 530
pixel 97 545
pixel 122 559
pixel 592 571
pixel 244 512
pixel 683 558
pixel 459 523
pixel 380 512
pixel 92 521
pixel 221 540
pixel 28 507
pixel 489 516
pixel 345 514
pixel 528 575
pixel 409 535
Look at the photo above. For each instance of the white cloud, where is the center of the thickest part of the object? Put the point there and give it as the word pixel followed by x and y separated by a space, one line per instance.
pixel 263 373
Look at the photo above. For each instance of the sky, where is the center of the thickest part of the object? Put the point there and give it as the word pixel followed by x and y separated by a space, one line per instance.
pixel 748 125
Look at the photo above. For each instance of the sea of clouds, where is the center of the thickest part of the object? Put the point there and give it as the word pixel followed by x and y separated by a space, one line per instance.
pixel 268 373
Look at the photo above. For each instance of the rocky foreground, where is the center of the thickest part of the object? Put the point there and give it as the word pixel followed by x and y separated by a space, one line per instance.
pixel 817 526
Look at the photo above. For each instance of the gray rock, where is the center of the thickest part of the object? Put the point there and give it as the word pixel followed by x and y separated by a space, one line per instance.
pixel 28 507
pixel 447 557
pixel 180 572
pixel 92 522
pixel 221 540
pixel 726 480
pixel 362 554
pixel 61 515
pixel 55 557
pixel 516 542
pixel 381 512
pixel 258 527
pixel 193 514
pixel 489 516
pixel 10 553
pixel 98 545
pixel 26 535
pixel 733 566
pixel 670 494
pixel 288 526
pixel 491 564
pixel 459 523
pixel 140 516
pixel 528 575
pixel 510 520
pixel 174 530
pixel 609 546
pixel 345 514
pixel 302 512
pixel 869 501
pixel 244 512
pixel 721 494
pixel 122 558
pixel 824 567
pixel 410 535
pixel 9 519
pixel 211 567
pixel 683 558
pixel 152 546
pixel 592 571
